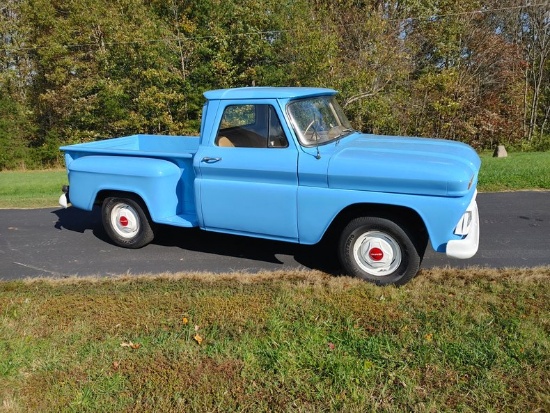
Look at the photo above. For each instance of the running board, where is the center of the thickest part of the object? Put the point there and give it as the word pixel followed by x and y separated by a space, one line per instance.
pixel 186 221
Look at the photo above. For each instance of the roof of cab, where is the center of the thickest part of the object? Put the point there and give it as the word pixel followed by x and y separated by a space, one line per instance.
pixel 267 93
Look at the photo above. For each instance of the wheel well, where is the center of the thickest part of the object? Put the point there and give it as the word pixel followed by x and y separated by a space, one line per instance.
pixel 108 193
pixel 406 218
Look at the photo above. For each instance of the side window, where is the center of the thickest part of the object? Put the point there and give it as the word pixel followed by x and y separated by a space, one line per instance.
pixel 251 126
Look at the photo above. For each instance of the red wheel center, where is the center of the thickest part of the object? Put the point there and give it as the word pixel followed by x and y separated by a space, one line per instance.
pixel 123 221
pixel 376 254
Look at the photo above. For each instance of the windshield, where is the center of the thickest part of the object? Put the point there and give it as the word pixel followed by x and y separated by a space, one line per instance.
pixel 318 120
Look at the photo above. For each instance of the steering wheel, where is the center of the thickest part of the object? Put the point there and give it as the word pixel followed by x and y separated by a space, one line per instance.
pixel 309 126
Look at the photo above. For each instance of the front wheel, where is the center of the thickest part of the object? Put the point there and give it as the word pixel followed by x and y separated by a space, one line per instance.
pixel 378 250
pixel 126 222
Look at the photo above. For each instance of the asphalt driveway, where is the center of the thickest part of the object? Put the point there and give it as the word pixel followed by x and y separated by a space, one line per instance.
pixel 515 232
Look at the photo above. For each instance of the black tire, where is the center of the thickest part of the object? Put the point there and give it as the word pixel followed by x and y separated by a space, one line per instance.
pixel 126 222
pixel 379 251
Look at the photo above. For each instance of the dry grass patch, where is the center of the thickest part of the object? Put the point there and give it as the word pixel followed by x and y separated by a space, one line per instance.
pixel 471 340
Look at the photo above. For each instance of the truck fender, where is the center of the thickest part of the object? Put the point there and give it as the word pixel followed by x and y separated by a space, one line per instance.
pixel 154 180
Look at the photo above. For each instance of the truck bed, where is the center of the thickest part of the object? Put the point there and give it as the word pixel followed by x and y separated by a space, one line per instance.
pixel 140 145
pixel 160 165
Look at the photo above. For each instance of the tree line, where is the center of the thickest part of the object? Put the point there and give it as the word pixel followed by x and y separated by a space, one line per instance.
pixel 81 70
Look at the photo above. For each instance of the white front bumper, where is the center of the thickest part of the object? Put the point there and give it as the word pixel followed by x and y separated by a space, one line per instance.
pixel 469 226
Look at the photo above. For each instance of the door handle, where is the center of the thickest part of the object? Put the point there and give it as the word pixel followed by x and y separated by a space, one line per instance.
pixel 208 159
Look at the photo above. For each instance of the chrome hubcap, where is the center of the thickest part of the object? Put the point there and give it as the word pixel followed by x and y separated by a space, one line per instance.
pixel 125 220
pixel 377 253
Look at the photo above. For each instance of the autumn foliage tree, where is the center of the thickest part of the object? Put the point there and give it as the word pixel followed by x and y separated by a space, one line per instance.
pixel 79 70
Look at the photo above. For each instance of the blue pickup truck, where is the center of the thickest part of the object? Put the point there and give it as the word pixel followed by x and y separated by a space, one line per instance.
pixel 285 164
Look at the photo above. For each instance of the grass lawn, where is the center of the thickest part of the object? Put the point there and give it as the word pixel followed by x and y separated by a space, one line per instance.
pixel 518 171
pixel 31 189
pixel 473 340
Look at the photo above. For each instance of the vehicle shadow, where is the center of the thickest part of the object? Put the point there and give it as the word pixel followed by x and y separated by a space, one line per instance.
pixel 320 257
pixel 78 220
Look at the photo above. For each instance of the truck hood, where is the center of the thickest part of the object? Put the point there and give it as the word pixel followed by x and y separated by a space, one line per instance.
pixel 404 165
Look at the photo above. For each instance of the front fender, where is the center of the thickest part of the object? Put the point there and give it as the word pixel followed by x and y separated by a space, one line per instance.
pixel 154 180
pixel 318 207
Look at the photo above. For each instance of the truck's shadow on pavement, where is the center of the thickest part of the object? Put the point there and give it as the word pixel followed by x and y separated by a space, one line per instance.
pixel 78 220
pixel 319 257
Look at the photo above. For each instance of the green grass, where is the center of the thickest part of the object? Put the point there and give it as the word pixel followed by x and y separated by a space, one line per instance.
pixel 31 189
pixel 519 171
pixel 452 340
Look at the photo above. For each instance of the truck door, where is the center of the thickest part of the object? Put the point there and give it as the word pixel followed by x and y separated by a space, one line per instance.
pixel 248 177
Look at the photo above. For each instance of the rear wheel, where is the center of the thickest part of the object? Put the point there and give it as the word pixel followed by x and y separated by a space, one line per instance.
pixel 378 250
pixel 126 222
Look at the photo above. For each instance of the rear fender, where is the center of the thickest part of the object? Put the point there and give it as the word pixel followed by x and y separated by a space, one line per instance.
pixel 154 180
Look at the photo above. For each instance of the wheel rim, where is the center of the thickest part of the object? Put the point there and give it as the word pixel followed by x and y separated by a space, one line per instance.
pixel 125 221
pixel 377 253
